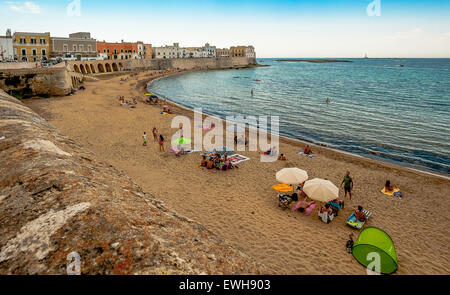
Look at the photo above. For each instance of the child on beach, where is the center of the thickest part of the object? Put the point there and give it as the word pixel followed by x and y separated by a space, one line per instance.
pixel 348 185
pixel 161 143
pixel 282 157
pixel 307 150
pixel 144 137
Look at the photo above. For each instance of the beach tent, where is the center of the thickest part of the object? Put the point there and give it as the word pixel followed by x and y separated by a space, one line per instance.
pixel 321 190
pixel 375 240
pixel 292 176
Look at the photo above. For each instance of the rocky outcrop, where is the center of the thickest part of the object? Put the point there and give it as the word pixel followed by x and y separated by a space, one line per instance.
pixel 55 199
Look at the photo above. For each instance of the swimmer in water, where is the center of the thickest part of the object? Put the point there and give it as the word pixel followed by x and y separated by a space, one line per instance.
pixel 251 92
pixel 327 100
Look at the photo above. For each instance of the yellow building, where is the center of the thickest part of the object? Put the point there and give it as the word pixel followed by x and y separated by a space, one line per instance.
pixel 31 46
pixel 237 51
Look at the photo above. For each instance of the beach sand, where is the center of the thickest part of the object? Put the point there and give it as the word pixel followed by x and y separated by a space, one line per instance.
pixel 240 205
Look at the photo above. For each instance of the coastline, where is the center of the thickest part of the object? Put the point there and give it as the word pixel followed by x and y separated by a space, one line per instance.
pixel 240 205
pixel 316 146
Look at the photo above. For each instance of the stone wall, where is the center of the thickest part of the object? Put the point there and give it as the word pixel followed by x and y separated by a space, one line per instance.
pixel 190 63
pixel 56 200
pixel 36 81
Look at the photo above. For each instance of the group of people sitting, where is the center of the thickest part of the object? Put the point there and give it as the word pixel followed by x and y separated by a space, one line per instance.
pixel 123 102
pixel 217 161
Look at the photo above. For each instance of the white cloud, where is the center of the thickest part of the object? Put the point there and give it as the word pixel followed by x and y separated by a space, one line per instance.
pixel 25 7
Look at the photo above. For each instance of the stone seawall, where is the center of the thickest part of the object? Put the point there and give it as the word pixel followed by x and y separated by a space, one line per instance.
pixel 55 199
pixel 36 81
pixel 190 63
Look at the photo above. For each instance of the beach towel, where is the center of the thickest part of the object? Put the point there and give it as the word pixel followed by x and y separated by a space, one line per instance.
pixel 325 217
pixel 306 155
pixel 236 159
pixel 395 193
pixel 307 210
pixel 352 222
pixel 187 152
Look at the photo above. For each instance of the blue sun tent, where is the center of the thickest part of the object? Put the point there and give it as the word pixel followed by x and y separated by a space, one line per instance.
pixel 373 241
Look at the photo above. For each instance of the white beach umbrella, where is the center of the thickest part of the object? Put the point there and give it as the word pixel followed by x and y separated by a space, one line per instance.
pixel 321 190
pixel 235 128
pixel 292 176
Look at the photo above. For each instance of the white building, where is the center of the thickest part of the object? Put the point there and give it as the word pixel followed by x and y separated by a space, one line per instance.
pixel 168 51
pixel 6 47
pixel 250 52
pixel 210 50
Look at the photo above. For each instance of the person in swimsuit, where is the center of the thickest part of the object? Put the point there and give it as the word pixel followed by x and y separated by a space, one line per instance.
pixel 144 137
pixel 348 185
pixel 155 133
pixel 388 186
pixel 161 143
pixel 307 150
pixel 360 215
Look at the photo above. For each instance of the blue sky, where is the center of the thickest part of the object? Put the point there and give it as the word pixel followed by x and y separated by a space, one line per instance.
pixel 285 28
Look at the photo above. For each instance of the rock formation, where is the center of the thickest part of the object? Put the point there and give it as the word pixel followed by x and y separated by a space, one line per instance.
pixel 55 199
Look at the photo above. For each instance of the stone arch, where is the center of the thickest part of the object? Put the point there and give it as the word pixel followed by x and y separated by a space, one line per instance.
pixel 87 68
pixel 76 68
pixel 92 69
pixel 108 67
pixel 83 70
pixel 115 68
pixel 101 68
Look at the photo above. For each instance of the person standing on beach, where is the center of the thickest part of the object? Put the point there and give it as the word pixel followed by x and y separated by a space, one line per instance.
pixel 144 137
pixel 348 185
pixel 161 143
pixel 155 134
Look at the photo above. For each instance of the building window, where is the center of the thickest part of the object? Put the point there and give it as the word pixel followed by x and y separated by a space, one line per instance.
pixel 75 48
pixel 42 41
pixel 65 48
pixel 81 47
pixel 23 41
pixel 33 40
pixel 89 48
pixel 34 51
pixel 108 51
pixel 24 51
pixel 44 52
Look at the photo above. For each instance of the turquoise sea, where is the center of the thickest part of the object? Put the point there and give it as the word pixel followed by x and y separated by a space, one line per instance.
pixel 395 110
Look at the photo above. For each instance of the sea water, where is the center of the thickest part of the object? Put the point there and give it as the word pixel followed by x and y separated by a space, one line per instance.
pixel 395 110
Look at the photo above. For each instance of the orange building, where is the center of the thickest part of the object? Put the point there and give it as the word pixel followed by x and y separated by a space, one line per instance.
pixel 122 50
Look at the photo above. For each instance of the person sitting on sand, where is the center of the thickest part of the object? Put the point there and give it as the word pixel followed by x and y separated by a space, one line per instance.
pixel 388 186
pixel 180 153
pixel 305 205
pixel 203 162
pixel 307 150
pixel 210 164
pixel 337 203
pixel 134 101
pixel 360 215
pixel 161 143
pixel 326 208
pixel 282 157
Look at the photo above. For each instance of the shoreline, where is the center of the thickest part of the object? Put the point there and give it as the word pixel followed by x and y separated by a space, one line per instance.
pixel 387 163
pixel 240 205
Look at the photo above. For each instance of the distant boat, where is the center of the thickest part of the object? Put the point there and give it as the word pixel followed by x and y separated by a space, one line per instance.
pixel 365 56
pixel 401 66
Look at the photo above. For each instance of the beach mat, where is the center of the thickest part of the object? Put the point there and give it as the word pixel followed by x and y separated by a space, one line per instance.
pixel 236 159
pixel 352 222
pixel 395 193
pixel 306 155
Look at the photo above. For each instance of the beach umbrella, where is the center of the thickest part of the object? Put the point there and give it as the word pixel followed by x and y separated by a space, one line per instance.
pixel 182 140
pixel 283 188
pixel 292 176
pixel 321 190
pixel 235 128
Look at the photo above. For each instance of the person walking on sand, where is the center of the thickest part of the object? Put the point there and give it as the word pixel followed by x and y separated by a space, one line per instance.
pixel 348 184
pixel 161 143
pixel 155 134
pixel 144 137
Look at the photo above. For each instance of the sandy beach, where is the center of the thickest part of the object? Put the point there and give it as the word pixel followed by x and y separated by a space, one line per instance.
pixel 240 205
